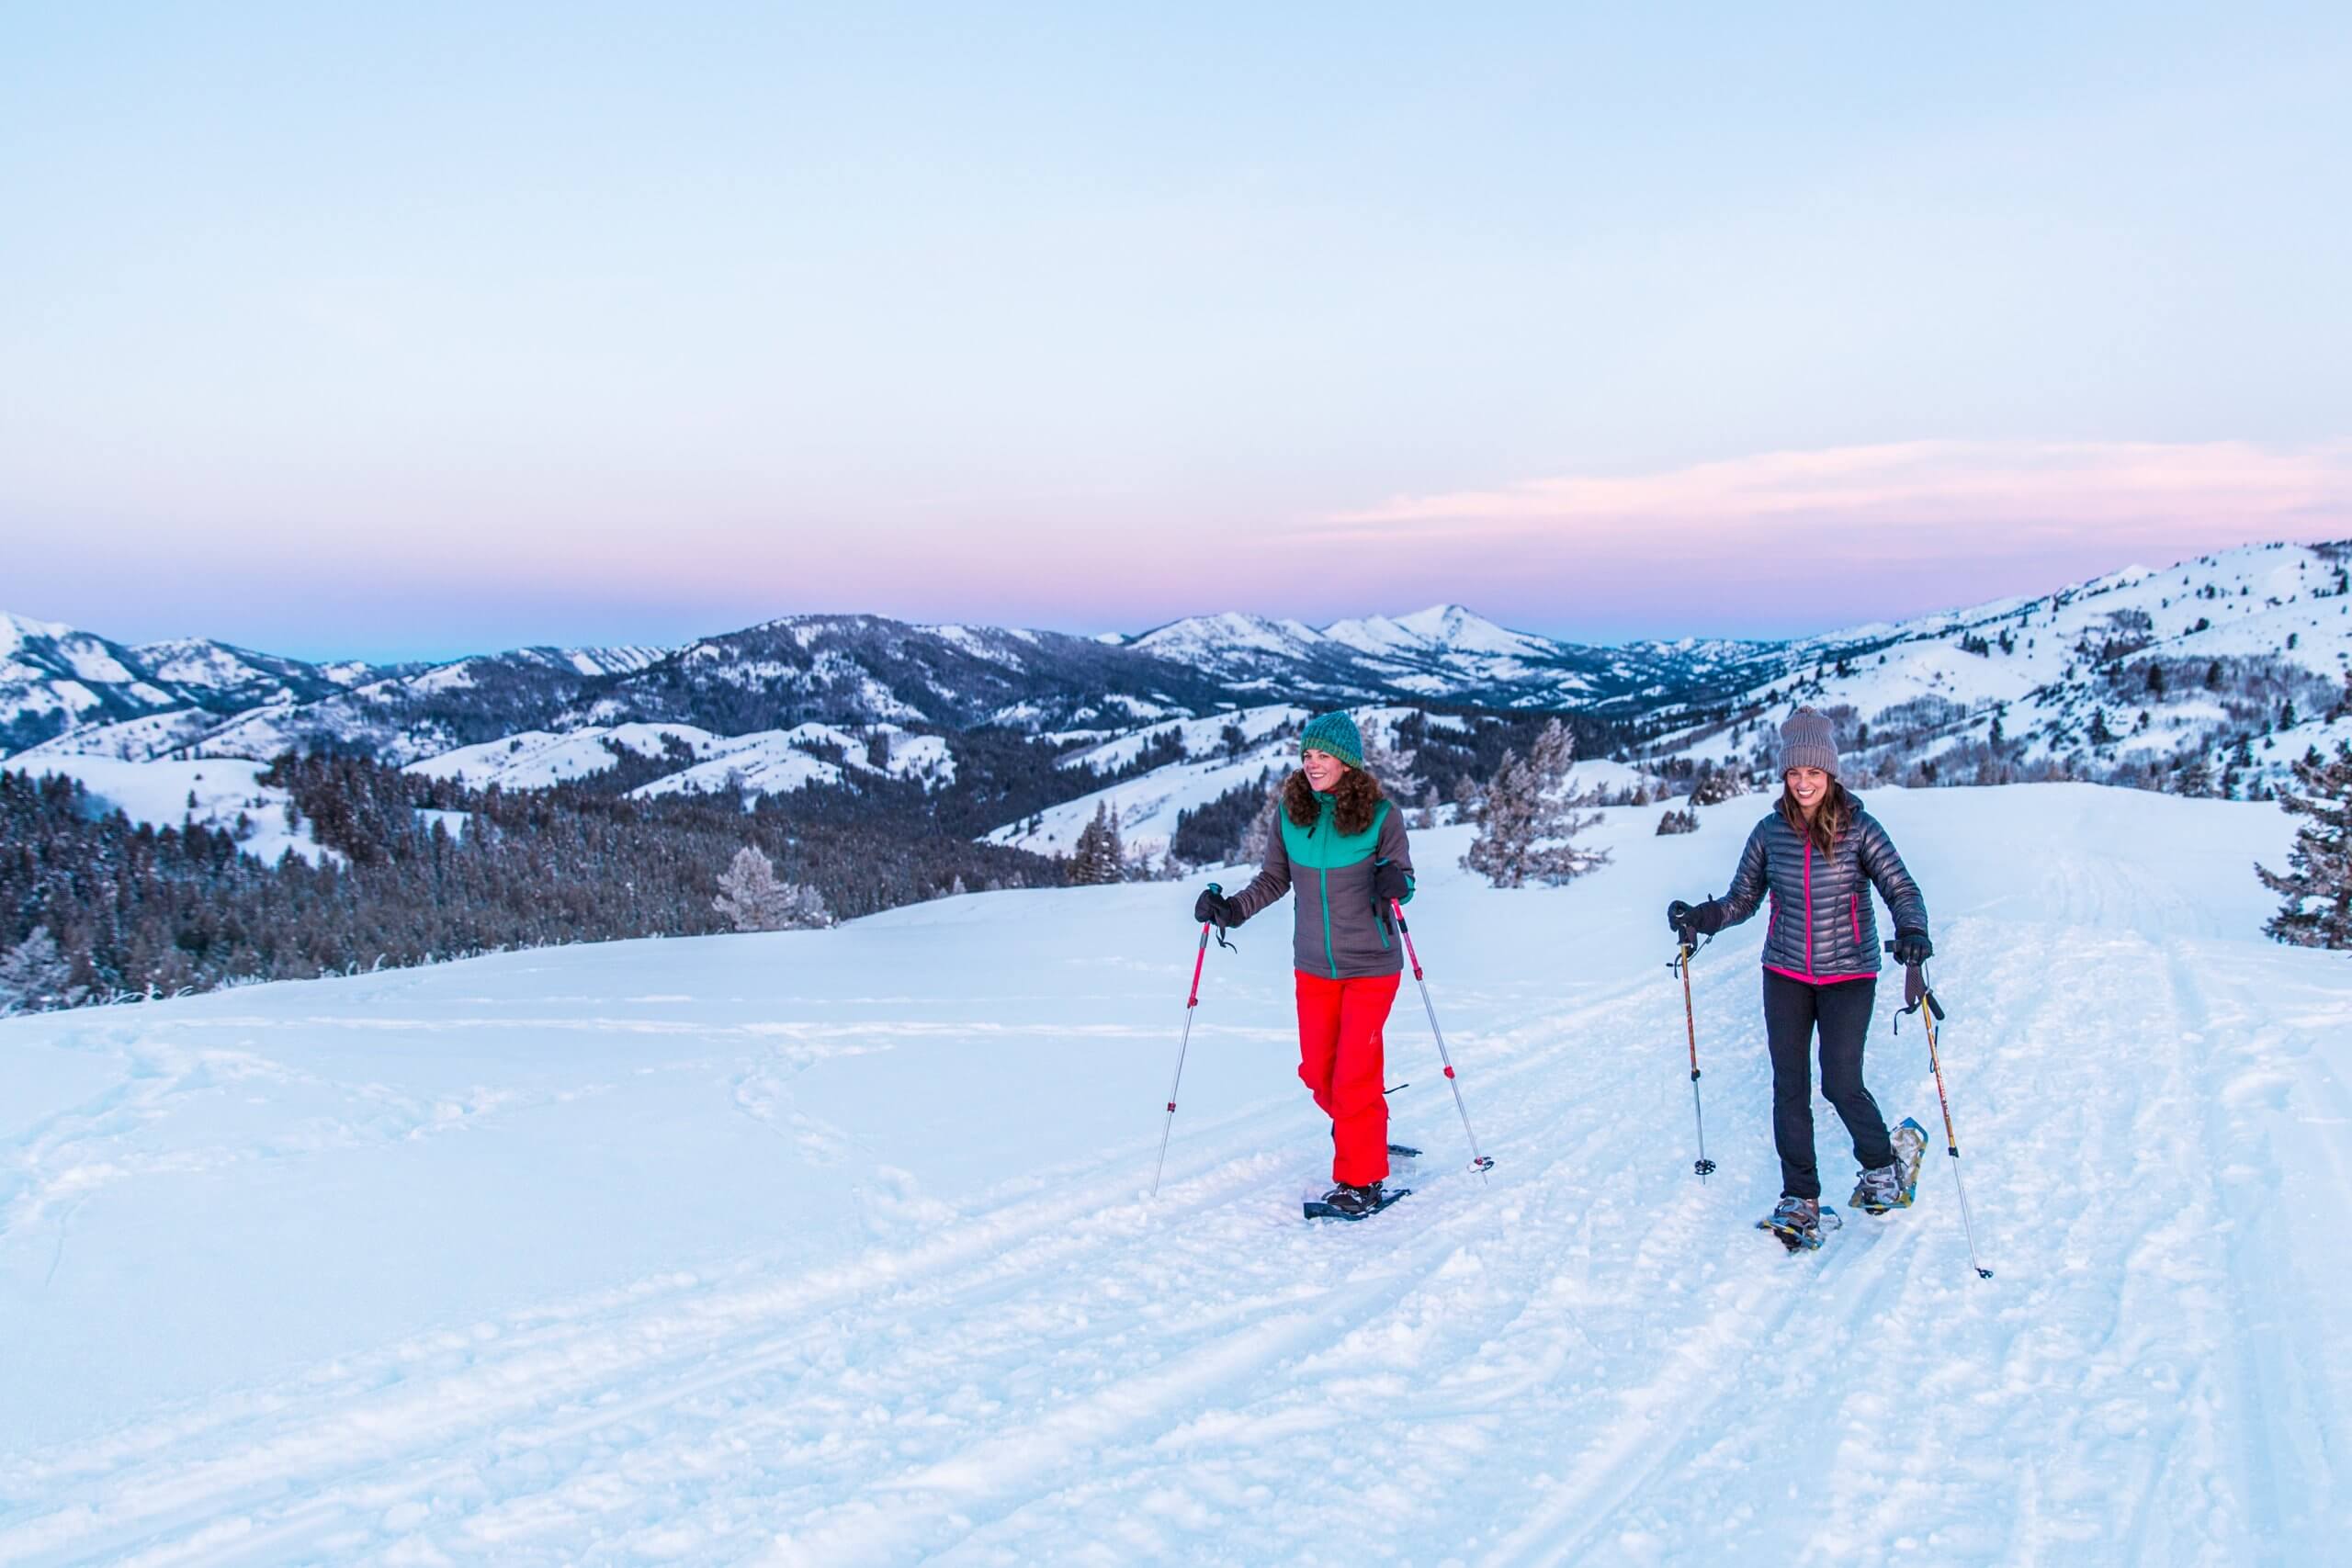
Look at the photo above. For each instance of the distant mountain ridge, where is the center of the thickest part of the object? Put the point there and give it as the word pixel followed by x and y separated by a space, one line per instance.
pixel 68 692
pixel 2052 685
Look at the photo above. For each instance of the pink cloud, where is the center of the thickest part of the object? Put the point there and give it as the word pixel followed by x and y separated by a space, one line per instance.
pixel 2007 495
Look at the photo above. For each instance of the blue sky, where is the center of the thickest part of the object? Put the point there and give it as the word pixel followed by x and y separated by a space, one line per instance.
pixel 450 327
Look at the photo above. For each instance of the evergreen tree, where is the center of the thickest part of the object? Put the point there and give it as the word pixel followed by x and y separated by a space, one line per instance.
pixel 1098 858
pixel 1531 815
pixel 34 975
pixel 2317 886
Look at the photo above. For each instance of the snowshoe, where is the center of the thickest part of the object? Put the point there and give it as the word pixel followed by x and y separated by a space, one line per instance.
pixel 1894 1186
pixel 1345 1202
pixel 1798 1222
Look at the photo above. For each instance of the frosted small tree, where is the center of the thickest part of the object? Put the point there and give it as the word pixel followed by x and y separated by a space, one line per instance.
pixel 1261 832
pixel 751 897
pixel 1531 815
pixel 1098 858
pixel 2317 886
pixel 1394 769
pixel 1716 785
pixel 34 975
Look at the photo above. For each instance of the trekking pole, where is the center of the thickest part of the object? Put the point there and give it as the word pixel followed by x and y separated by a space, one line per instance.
pixel 1478 1162
pixel 1191 1003
pixel 1682 964
pixel 1932 1013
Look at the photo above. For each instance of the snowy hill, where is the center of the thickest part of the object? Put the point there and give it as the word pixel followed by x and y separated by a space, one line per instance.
pixel 833 1248
pixel 1214 755
pixel 224 794
pixel 2249 646
pixel 774 762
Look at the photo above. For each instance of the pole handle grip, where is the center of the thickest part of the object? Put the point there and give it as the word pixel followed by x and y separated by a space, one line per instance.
pixel 1935 1008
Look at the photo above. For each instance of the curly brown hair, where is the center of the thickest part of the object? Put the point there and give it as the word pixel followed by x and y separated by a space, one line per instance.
pixel 1829 819
pixel 1354 800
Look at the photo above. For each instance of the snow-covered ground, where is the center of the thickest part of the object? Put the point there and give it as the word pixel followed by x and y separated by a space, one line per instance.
pixel 833 1248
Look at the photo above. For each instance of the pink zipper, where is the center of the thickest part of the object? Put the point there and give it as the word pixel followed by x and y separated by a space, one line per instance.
pixel 1854 909
pixel 1808 904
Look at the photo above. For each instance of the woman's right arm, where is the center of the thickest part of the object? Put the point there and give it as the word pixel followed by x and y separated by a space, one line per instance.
pixel 1747 884
pixel 1273 879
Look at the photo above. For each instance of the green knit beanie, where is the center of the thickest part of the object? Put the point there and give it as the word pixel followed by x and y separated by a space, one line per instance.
pixel 1335 733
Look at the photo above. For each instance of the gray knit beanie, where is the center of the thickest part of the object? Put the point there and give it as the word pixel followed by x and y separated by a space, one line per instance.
pixel 1808 741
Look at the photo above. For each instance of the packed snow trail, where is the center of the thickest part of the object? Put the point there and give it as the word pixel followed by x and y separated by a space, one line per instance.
pixel 833 1247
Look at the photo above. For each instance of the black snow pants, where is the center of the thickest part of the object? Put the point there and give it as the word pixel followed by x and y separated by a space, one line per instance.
pixel 1791 1008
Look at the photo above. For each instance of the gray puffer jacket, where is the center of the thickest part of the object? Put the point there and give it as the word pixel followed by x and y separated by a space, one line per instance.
pixel 1824 927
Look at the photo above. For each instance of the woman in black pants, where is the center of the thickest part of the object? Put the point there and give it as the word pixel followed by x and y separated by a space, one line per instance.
pixel 1817 855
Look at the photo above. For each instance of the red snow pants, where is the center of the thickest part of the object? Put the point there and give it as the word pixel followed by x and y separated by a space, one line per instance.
pixel 1338 1061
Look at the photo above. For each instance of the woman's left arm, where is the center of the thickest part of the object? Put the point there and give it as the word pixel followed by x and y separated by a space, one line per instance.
pixel 1892 878
pixel 1391 850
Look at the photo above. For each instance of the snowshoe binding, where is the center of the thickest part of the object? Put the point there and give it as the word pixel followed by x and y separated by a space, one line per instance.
pixel 1345 1202
pixel 1894 1186
pixel 1798 1222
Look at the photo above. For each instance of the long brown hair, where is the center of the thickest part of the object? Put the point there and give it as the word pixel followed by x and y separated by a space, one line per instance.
pixel 1830 819
pixel 1354 800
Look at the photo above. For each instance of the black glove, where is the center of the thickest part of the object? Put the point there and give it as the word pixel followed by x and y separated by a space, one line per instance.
pixel 1692 922
pixel 1214 908
pixel 1912 948
pixel 1389 884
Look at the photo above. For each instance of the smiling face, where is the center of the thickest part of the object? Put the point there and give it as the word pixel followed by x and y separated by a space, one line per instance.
pixel 1808 784
pixel 1323 769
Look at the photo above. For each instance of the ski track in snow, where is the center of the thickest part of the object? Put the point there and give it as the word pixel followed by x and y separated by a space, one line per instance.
pixel 1587 1357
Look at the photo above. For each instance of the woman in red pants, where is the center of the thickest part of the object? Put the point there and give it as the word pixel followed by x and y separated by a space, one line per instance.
pixel 1343 845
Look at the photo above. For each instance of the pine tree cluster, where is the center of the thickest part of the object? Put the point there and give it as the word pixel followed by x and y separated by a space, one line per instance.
pixel 132 909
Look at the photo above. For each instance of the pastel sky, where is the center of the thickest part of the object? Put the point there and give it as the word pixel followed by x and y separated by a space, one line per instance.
pixel 407 331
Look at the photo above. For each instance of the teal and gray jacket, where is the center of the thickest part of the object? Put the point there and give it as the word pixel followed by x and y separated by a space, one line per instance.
pixel 1339 934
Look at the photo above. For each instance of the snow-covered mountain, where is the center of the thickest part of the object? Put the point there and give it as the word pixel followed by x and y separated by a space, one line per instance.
pixel 1444 653
pixel 2232 663
pixel 2235 660
pixel 65 691
pixel 55 678
pixel 836 1248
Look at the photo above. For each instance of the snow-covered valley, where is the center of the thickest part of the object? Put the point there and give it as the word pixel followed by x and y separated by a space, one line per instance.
pixel 833 1248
